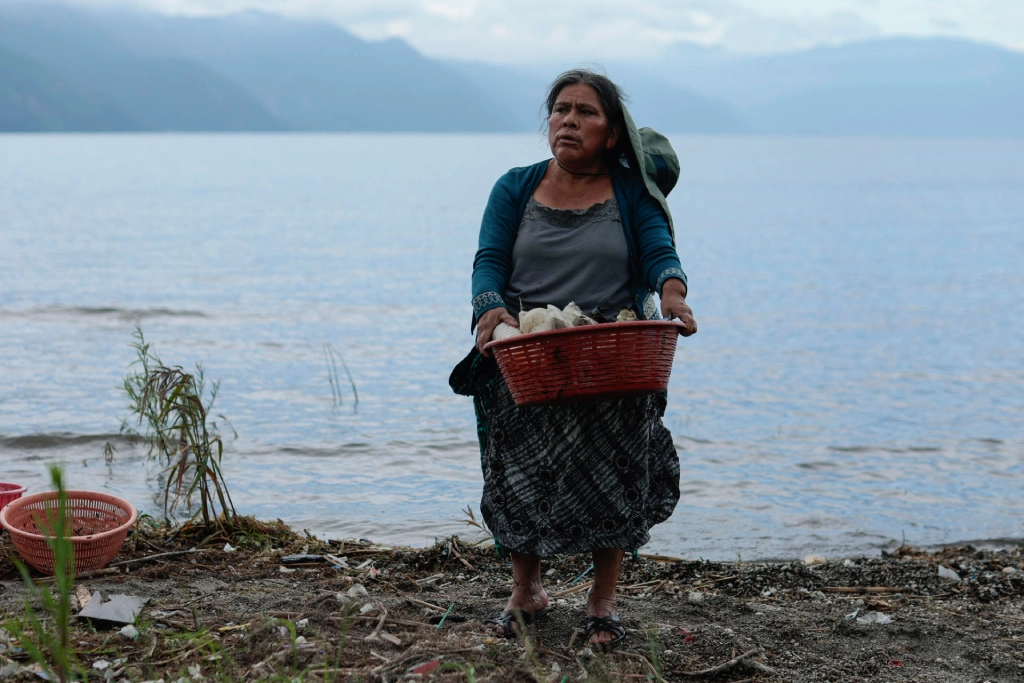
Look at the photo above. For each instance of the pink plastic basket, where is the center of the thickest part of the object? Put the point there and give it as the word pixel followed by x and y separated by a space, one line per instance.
pixel 589 363
pixel 10 492
pixel 99 523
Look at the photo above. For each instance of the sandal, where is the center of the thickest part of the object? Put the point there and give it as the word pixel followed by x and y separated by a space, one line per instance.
pixel 610 624
pixel 506 619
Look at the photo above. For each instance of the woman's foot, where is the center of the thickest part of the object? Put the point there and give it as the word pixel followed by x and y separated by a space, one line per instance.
pixel 601 600
pixel 600 606
pixel 528 597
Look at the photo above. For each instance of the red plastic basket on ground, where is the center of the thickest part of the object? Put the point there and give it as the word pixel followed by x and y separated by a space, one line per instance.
pixel 10 492
pixel 99 525
pixel 588 363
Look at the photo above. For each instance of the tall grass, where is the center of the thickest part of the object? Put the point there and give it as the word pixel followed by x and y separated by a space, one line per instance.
pixel 49 644
pixel 172 411
pixel 331 356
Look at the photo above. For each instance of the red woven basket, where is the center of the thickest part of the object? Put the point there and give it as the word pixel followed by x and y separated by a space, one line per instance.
pixel 588 363
pixel 10 492
pixel 99 525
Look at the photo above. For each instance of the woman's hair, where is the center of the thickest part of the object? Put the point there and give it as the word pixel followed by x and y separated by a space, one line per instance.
pixel 610 95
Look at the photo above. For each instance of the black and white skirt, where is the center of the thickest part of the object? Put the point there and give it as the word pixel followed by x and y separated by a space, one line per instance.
pixel 574 479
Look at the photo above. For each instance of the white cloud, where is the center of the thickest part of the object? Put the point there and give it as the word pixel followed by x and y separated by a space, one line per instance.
pixel 532 31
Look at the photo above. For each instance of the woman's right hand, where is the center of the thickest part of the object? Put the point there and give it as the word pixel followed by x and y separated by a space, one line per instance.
pixel 486 324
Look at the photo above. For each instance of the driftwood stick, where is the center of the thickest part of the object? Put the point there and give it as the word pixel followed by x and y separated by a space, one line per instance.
pixel 725 666
pixel 647 663
pixel 428 605
pixel 83 575
pixel 574 589
pixel 147 558
pixel 863 589
pixel 395 622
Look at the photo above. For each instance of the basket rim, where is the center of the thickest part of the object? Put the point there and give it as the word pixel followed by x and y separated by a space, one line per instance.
pixel 50 495
pixel 15 488
pixel 599 328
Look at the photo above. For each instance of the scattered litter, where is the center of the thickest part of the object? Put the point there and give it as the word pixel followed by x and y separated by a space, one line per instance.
pixel 293 559
pixel 357 591
pixel 366 608
pixel 585 653
pixel 337 561
pixel 695 597
pixel 287 570
pixel 948 574
pixel 129 632
pixel 301 640
pixel 849 563
pixel 874 618
pixel 228 548
pixel 812 560
pixel 100 664
pixel 427 667
pixel 302 623
pixel 83 596
pixel 1009 570
pixel 365 564
pixel 852 615
pixel 373 573
pixel 117 609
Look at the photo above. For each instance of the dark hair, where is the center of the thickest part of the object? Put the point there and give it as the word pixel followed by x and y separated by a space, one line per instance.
pixel 610 95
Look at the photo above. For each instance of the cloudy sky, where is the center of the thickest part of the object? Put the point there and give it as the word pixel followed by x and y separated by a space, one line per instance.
pixel 506 31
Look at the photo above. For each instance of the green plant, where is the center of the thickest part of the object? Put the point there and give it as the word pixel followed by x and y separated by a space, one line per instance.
pixel 470 519
pixel 49 645
pixel 331 357
pixel 173 407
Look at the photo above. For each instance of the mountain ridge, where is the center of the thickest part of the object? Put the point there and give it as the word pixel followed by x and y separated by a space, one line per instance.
pixel 70 69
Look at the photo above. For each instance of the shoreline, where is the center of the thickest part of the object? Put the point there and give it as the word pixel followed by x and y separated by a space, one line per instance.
pixel 245 614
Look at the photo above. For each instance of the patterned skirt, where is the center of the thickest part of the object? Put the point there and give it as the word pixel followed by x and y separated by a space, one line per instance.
pixel 574 479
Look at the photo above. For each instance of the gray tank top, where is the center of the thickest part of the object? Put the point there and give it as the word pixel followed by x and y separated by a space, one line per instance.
pixel 564 255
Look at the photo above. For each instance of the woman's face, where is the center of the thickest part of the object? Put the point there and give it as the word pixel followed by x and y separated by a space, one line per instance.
pixel 579 131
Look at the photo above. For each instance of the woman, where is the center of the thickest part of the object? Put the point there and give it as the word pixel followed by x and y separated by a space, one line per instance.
pixel 591 478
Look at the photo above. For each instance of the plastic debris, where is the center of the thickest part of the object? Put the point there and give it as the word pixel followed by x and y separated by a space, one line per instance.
pixel 1009 570
pixel 874 618
pixel 293 559
pixel 100 664
pixel 129 632
pixel 695 597
pixel 357 591
pixel 228 548
pixel 287 570
pixel 427 667
pixel 115 609
pixel 302 623
pixel 852 615
pixel 947 573
pixel 849 563
pixel 366 608
pixel 814 559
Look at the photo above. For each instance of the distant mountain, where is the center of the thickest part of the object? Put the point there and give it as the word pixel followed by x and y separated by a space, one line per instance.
pixel 316 76
pixel 34 100
pixel 896 86
pixel 653 100
pixel 63 68
pixel 154 93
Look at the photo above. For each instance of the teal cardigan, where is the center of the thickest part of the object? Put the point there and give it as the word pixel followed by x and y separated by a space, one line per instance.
pixel 652 255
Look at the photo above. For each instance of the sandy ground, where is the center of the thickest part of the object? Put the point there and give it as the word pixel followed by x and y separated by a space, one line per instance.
pixel 246 615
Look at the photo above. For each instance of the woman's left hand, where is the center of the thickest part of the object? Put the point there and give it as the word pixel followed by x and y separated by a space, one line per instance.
pixel 673 305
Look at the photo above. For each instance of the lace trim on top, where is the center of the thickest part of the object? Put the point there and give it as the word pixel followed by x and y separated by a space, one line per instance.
pixel 572 218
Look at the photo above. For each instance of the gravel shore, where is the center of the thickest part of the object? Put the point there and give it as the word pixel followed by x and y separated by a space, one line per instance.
pixel 371 613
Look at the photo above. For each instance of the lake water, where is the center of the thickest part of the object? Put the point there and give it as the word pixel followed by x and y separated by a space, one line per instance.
pixel 858 377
